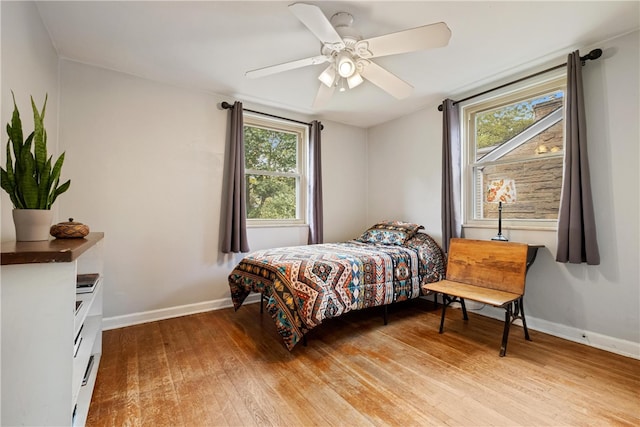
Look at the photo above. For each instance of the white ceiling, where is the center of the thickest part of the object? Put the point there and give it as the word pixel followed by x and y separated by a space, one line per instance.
pixel 209 45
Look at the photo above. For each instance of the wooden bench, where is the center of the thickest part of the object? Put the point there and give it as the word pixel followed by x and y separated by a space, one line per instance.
pixel 489 272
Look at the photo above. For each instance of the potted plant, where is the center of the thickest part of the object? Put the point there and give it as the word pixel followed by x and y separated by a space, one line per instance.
pixel 30 177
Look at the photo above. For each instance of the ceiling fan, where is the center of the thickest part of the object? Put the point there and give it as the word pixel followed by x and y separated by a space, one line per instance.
pixel 349 56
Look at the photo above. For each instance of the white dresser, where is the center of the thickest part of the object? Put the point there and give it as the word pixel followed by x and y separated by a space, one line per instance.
pixel 51 342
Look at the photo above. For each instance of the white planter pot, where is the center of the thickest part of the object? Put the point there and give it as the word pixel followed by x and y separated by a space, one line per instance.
pixel 32 224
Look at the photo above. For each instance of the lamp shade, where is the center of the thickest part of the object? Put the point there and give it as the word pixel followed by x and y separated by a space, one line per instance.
pixel 501 190
pixel 328 76
pixel 355 80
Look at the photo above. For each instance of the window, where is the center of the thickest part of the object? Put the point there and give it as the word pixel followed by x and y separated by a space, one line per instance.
pixel 515 137
pixel 275 159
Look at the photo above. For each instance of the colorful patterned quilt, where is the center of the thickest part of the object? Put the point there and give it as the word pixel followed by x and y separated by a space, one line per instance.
pixel 308 284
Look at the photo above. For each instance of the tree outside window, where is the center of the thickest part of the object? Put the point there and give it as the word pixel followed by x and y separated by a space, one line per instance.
pixel 274 171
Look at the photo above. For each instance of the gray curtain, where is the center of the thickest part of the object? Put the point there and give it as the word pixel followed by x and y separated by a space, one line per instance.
pixel 577 241
pixel 316 234
pixel 451 173
pixel 235 225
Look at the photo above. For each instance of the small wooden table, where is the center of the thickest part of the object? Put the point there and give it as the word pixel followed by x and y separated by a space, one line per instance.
pixel 531 254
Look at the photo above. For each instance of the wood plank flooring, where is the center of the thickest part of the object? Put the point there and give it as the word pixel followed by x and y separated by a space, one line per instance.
pixel 227 368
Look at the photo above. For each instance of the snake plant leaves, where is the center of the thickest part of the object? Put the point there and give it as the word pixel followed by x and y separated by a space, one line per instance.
pixel 27 179
pixel 58 191
pixel 8 186
pixel 10 174
pixel 15 129
pixel 39 138
pixel 32 181
pixel 43 190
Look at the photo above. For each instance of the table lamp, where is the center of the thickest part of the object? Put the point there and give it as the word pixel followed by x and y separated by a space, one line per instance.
pixel 501 191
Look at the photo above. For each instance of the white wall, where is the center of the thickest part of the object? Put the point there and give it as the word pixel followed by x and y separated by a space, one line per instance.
pixel 404 171
pixel 146 161
pixel 29 68
pixel 344 180
pixel 602 302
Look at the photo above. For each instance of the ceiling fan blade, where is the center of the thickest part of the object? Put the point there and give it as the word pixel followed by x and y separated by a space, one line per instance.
pixel 425 37
pixel 323 96
pixel 261 72
pixel 385 80
pixel 313 18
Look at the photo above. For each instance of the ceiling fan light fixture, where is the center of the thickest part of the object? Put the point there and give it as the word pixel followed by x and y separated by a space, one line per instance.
pixel 328 76
pixel 355 80
pixel 348 55
pixel 345 64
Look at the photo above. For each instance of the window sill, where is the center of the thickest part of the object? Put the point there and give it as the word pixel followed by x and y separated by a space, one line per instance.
pixel 278 225
pixel 494 226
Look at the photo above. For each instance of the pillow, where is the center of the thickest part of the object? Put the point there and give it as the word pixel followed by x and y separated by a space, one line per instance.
pixel 389 233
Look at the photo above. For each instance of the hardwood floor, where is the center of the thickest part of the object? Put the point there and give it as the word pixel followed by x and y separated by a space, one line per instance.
pixel 231 368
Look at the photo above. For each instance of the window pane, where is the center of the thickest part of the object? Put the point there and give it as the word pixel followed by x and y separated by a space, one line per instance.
pixel 537 188
pixel 270 150
pixel 519 142
pixel 271 197
pixel 513 130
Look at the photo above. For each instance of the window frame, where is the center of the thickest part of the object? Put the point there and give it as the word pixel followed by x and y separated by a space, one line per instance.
pixel 547 82
pixel 302 132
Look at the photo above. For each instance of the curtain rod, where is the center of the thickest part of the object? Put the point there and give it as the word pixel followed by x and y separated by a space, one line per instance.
pixel 227 106
pixel 594 54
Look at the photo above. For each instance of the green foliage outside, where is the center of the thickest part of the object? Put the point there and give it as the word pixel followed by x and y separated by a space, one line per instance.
pixel 269 196
pixel 32 180
pixel 497 126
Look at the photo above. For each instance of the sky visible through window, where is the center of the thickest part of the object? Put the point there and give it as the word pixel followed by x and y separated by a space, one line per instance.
pixel 497 126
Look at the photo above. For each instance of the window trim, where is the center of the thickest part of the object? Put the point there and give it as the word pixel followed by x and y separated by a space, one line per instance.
pixel 255 120
pixel 506 96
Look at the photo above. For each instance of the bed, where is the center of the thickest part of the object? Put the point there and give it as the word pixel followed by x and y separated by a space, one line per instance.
pixel 305 285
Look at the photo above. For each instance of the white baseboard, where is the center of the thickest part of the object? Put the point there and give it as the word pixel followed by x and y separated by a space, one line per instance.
pixel 592 339
pixel 168 313
pixel 603 342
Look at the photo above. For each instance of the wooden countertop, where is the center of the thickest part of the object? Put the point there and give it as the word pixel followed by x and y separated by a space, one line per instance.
pixel 52 250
